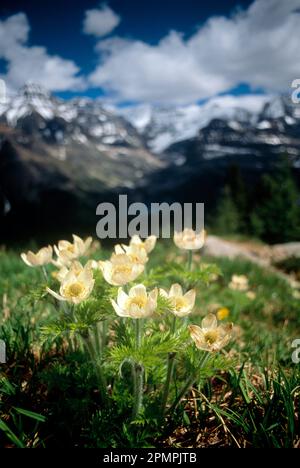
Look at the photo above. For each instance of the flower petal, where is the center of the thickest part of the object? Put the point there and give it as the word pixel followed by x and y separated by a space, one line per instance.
pixel 209 322
pixel 175 290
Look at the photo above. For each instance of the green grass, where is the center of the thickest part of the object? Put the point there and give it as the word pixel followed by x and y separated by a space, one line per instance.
pixel 49 393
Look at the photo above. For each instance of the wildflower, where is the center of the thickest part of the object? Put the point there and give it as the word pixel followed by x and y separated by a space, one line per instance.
pixel 76 286
pixel 148 244
pixel 211 336
pixel 136 253
pixel 239 282
pixel 222 313
pixel 188 239
pixel 76 267
pixel 42 257
pixel 182 304
pixel 251 295
pixel 120 269
pixel 296 294
pixel 67 251
pixel 137 304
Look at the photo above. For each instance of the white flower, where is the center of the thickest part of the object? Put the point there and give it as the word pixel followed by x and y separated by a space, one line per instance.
pixel 182 304
pixel 136 253
pixel 148 244
pixel 76 267
pixel 188 239
pixel 120 269
pixel 211 336
pixel 76 286
pixel 137 304
pixel 67 251
pixel 42 257
pixel 239 283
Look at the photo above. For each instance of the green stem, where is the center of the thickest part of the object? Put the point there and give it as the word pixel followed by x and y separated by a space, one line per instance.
pixel 138 398
pixel 138 373
pixel 45 274
pixel 138 333
pixel 99 371
pixel 170 371
pixel 190 260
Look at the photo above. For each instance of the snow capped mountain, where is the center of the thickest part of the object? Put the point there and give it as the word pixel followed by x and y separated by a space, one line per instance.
pixel 79 119
pixel 164 126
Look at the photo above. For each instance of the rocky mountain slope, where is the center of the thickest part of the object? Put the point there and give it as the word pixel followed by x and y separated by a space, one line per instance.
pixel 59 159
pixel 65 156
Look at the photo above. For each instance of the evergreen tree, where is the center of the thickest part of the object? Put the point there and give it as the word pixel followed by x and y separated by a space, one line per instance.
pixel 227 220
pixel 278 208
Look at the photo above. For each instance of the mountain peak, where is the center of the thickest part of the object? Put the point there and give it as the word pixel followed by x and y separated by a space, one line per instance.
pixel 31 89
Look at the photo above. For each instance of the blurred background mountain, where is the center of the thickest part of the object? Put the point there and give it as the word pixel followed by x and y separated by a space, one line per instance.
pixel 60 158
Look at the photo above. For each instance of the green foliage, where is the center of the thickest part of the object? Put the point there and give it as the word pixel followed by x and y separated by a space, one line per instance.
pixel 50 393
pixel 227 218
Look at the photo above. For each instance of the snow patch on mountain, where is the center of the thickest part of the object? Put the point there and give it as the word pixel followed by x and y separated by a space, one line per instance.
pixel 163 126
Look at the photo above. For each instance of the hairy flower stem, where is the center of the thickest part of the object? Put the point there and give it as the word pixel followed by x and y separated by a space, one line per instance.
pixel 90 347
pixel 45 274
pixel 190 260
pixel 138 373
pixel 170 371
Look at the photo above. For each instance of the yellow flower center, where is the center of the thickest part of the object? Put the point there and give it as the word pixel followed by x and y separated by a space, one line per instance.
pixel 71 248
pixel 123 269
pixel 139 301
pixel 211 337
pixel 179 303
pixel 74 290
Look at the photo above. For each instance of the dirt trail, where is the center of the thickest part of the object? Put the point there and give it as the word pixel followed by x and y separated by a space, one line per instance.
pixel 261 254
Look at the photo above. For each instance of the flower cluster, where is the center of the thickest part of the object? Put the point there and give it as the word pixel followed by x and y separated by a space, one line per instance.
pixel 125 265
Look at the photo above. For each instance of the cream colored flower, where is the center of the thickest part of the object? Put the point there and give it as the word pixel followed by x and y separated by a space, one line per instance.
pixel 182 304
pixel 148 244
pixel 251 295
pixel 76 267
pixel 137 304
pixel 76 286
pixel 137 253
pixel 67 251
pixel 296 294
pixel 188 239
pixel 120 269
pixel 42 257
pixel 211 336
pixel 239 283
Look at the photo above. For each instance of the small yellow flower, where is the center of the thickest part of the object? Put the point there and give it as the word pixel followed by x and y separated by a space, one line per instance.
pixel 67 251
pixel 188 239
pixel 148 244
pixel 137 304
pixel 223 313
pixel 76 286
pixel 42 257
pixel 182 304
pixel 211 336
pixel 120 269
pixel 239 283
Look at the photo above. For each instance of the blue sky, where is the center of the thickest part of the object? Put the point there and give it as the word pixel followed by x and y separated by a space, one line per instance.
pixel 154 51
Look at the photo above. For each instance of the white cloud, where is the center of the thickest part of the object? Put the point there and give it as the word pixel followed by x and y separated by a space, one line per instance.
pixel 33 64
pixel 100 22
pixel 259 46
